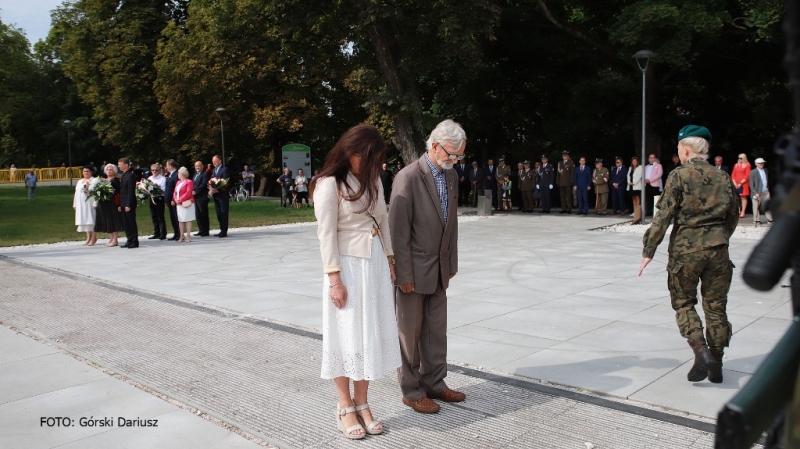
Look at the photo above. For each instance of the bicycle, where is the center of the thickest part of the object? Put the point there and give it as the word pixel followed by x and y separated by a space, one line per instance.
pixel 240 193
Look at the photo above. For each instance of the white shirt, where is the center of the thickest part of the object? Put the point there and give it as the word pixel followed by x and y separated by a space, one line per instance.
pixel 160 181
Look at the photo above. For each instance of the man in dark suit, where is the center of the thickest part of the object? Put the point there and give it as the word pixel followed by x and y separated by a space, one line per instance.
pixel 127 203
pixel 386 183
pixel 221 197
pixel 583 183
pixel 718 165
pixel 676 162
pixel 200 180
pixel 476 182
pixel 424 230
pixel 547 177
pixel 490 183
pixel 172 180
pixel 516 178
pixel 619 183
pixel 464 186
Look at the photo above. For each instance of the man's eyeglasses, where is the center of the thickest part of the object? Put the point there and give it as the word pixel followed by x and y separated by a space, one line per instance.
pixel 451 156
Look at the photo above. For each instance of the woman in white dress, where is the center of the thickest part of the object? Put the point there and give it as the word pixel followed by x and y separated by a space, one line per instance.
pixel 85 212
pixel 183 200
pixel 359 328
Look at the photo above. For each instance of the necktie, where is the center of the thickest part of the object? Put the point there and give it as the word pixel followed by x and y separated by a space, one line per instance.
pixel 216 170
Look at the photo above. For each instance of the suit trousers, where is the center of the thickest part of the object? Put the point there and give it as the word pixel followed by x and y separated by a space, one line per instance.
pixel 221 203
pixel 129 224
pixel 157 215
pixel 617 199
pixel 583 200
pixel 495 199
pixel 201 211
pixel 173 218
pixel 566 197
pixel 464 189
pixel 651 193
pixel 546 198
pixel 422 328
pixel 527 200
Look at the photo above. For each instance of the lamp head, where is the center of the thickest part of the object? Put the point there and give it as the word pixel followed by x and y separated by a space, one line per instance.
pixel 643 56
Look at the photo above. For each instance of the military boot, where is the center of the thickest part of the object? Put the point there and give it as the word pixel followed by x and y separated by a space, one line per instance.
pixel 703 360
pixel 715 371
pixel 637 214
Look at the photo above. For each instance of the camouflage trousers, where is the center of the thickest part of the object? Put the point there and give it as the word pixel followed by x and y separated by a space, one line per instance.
pixel 713 269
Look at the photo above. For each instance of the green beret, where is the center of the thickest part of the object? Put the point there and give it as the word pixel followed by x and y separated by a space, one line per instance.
pixel 694 131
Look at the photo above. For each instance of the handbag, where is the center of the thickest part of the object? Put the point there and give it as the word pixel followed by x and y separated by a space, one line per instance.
pixel 187 203
pixel 740 190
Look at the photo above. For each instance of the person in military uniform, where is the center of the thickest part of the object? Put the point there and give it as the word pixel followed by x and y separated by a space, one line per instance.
pixel 526 182
pixel 503 170
pixel 704 205
pixel 547 177
pixel 517 196
pixel 564 178
pixel 600 180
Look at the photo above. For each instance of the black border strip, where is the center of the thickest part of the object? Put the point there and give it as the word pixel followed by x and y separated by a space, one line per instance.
pixel 519 383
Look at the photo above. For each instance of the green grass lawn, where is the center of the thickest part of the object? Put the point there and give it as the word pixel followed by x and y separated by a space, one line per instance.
pixel 51 218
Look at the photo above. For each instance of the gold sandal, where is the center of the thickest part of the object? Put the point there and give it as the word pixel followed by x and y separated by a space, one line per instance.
pixel 340 412
pixel 369 428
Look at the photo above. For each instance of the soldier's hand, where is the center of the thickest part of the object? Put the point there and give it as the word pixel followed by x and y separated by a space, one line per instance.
pixel 645 262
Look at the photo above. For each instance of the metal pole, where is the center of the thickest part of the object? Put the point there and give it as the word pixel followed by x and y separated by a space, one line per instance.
pixel 69 154
pixel 644 169
pixel 222 130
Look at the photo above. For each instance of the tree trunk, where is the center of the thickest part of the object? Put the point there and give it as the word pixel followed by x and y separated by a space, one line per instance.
pixel 409 135
pixel 262 188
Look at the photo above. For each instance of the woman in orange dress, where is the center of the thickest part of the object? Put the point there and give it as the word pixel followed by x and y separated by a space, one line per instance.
pixel 741 179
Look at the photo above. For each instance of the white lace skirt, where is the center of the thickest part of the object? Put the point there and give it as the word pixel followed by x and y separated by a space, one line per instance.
pixel 360 341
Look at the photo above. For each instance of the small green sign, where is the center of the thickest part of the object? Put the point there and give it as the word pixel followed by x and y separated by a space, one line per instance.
pixel 296 147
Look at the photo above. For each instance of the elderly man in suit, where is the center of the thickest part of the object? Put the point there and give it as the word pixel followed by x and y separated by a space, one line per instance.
pixel 582 186
pixel 759 190
pixel 222 198
pixel 720 166
pixel 464 186
pixel 200 193
pixel 476 182
pixel 172 181
pixel 619 183
pixel 424 230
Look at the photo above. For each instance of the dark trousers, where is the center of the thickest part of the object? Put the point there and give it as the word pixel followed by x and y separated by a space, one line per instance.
pixel 201 211
pixel 173 218
pixel 566 197
pixel 422 328
pixel 463 193
pixel 546 198
pixel 221 203
pixel 157 215
pixel 650 193
pixel 583 200
pixel 495 199
pixel 129 224
pixel 617 199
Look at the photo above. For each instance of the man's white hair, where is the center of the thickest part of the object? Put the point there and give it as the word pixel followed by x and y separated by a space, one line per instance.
pixel 698 145
pixel 447 131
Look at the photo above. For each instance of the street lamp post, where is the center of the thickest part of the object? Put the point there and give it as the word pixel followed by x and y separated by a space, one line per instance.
pixel 219 112
pixel 643 57
pixel 68 124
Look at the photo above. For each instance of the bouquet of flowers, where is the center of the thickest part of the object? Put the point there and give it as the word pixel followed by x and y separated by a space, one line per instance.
pixel 102 190
pixel 216 184
pixel 148 189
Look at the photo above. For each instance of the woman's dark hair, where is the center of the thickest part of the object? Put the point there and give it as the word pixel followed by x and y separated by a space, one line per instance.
pixel 88 167
pixel 367 141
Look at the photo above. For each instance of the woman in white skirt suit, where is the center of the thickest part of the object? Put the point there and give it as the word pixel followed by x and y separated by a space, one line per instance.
pixel 359 328
pixel 84 206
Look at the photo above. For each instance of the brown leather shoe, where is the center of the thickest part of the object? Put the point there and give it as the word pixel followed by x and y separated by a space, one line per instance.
pixel 449 395
pixel 423 405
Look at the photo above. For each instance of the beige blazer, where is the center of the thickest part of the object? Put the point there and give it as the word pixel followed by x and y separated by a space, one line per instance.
pixel 425 249
pixel 343 232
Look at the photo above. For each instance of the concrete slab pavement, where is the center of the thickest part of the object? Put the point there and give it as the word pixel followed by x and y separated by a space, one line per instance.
pixel 540 296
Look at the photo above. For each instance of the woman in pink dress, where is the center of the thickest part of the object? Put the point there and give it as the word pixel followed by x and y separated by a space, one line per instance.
pixel 741 179
pixel 183 199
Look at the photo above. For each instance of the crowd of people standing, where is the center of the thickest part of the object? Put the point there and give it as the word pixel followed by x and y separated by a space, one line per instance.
pixel 181 195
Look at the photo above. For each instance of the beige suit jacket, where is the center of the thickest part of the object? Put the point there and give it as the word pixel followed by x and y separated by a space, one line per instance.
pixel 343 232
pixel 425 249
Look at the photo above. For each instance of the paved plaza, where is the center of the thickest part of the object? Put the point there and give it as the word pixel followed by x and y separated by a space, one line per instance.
pixel 538 299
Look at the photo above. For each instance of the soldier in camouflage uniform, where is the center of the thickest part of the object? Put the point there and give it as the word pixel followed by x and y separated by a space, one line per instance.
pixel 704 204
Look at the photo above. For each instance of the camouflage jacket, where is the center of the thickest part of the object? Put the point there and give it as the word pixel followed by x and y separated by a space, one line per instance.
pixel 704 203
